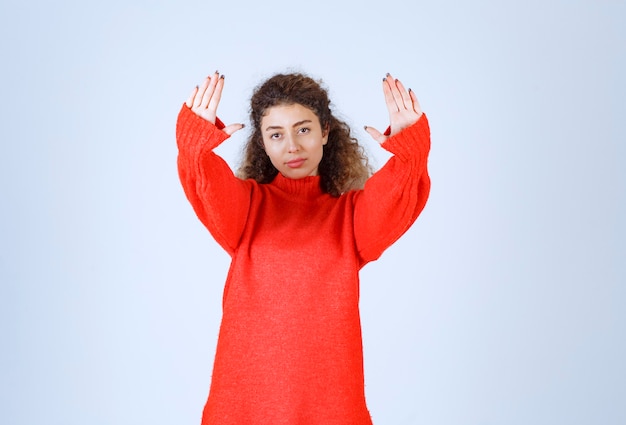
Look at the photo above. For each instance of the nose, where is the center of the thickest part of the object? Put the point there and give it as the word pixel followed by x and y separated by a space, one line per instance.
pixel 292 144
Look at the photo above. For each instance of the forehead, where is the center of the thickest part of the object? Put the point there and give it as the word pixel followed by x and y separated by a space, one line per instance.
pixel 286 115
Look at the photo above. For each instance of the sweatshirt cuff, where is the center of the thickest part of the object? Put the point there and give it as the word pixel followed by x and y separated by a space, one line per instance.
pixel 412 143
pixel 193 131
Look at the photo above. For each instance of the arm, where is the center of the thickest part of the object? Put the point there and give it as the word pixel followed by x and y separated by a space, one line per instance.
pixel 220 199
pixel 395 195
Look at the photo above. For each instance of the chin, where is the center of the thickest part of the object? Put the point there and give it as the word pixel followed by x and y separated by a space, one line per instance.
pixel 296 175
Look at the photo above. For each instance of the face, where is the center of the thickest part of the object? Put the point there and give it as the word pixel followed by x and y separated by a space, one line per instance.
pixel 293 139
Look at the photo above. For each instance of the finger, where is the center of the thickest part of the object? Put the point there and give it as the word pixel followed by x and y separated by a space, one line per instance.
pixel 404 94
pixel 389 100
pixel 416 105
pixel 217 94
pixel 201 92
pixel 230 129
pixel 208 94
pixel 393 87
pixel 376 135
pixel 191 98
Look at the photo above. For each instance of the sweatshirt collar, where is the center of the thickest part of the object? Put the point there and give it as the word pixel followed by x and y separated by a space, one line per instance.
pixel 306 187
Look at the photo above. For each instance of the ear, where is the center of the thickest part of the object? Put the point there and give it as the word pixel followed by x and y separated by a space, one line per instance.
pixel 325 134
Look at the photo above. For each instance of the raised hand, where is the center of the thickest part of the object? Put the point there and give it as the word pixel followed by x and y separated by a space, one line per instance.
pixel 205 98
pixel 404 109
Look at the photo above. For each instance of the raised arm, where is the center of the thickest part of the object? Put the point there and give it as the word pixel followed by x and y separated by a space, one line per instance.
pixel 220 199
pixel 395 195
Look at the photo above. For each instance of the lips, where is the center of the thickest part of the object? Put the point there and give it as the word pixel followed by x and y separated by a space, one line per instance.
pixel 295 163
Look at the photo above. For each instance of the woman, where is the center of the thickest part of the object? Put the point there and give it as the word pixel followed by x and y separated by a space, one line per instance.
pixel 299 223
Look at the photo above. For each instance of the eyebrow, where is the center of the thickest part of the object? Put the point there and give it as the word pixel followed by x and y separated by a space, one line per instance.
pixel 277 127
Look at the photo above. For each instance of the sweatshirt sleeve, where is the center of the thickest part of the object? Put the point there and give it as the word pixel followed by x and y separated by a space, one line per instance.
pixel 220 199
pixel 396 194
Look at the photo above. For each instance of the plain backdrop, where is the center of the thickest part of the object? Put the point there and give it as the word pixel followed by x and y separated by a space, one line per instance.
pixel 504 304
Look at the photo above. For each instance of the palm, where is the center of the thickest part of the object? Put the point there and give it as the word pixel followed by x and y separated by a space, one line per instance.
pixel 404 109
pixel 205 98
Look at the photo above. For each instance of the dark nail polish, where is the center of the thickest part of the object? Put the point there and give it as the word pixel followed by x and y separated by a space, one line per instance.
pixel 365 127
pixel 222 76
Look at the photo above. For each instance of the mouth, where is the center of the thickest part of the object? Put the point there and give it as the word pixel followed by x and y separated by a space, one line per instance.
pixel 295 163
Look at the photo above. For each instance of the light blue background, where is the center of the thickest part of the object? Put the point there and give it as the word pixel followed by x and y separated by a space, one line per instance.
pixel 505 302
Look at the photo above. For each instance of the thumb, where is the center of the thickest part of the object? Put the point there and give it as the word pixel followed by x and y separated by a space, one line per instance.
pixel 230 129
pixel 376 135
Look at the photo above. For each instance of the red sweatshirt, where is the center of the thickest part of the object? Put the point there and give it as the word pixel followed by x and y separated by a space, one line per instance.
pixel 289 349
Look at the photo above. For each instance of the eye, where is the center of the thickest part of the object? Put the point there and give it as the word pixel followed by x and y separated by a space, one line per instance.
pixel 304 130
pixel 275 136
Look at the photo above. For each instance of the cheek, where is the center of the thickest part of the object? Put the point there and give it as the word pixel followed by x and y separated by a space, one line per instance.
pixel 321 146
pixel 267 147
pixel 273 152
pixel 321 152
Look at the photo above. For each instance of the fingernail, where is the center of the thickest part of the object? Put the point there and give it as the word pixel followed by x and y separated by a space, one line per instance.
pixel 365 127
pixel 384 78
pixel 410 90
pixel 222 76
pixel 216 71
pixel 388 74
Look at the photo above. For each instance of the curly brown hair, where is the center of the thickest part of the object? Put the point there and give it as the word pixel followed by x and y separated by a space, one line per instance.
pixel 344 165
